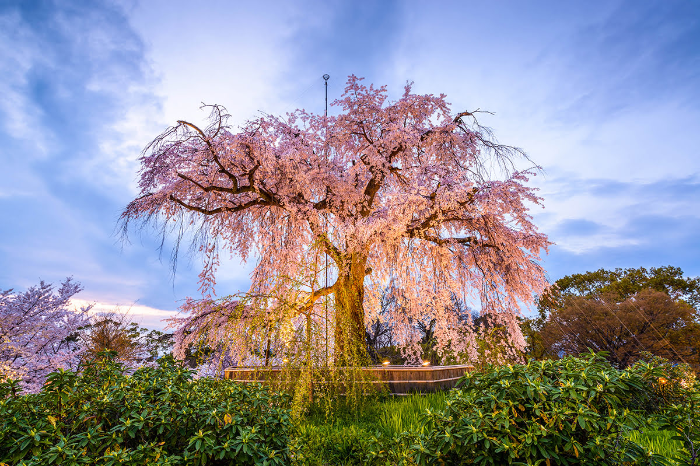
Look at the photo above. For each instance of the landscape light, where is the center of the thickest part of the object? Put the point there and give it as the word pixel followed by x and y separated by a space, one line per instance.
pixel 285 360
pixel 426 363
pixel 385 363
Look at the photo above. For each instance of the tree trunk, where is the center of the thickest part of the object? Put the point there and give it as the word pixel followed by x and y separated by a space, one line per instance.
pixel 350 348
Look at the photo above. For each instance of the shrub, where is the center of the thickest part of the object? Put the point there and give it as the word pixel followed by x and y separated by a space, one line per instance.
pixel 673 396
pixel 158 416
pixel 564 412
pixel 673 383
pixel 682 417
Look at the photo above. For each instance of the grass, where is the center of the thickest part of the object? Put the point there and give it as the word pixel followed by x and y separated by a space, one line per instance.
pixel 352 436
pixel 403 414
pixel 389 417
pixel 660 442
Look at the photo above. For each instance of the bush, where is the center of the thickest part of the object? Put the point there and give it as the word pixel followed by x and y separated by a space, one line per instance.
pixel 564 412
pixel 157 416
pixel 683 419
pixel 672 384
pixel 674 400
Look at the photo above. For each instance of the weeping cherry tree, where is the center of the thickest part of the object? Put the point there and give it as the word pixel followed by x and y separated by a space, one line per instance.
pixel 335 209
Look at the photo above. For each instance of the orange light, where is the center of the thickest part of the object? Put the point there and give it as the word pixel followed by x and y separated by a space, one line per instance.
pixel 426 363
pixel 285 360
pixel 662 380
pixel 385 363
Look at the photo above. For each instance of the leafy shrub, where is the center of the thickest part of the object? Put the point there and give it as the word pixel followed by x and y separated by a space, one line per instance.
pixel 564 412
pixel 157 416
pixel 673 383
pixel 331 444
pixel 673 396
pixel 683 419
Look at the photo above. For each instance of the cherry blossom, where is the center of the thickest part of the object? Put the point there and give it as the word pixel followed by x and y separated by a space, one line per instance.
pixel 38 332
pixel 402 196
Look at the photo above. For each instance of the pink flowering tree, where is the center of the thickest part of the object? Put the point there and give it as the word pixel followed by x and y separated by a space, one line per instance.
pixel 403 195
pixel 38 332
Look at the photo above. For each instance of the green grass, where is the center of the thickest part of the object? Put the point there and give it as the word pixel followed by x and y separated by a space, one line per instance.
pixel 389 417
pixel 351 436
pixel 403 414
pixel 660 442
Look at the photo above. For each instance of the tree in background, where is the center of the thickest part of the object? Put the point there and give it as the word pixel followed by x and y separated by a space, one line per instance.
pixel 114 331
pixel 622 312
pixel 37 332
pixel 624 283
pixel 397 192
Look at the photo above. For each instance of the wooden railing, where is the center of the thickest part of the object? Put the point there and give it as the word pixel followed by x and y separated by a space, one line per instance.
pixel 397 379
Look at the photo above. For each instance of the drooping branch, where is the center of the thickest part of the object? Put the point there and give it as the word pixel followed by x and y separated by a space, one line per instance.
pixel 219 189
pixel 469 241
pixel 355 187
pixel 212 151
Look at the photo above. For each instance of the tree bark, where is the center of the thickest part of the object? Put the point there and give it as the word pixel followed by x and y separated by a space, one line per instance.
pixel 350 348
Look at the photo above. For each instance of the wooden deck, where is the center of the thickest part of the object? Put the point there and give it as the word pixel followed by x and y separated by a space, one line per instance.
pixel 398 380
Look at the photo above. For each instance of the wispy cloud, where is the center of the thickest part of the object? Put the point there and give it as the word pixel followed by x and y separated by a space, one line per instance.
pixel 145 316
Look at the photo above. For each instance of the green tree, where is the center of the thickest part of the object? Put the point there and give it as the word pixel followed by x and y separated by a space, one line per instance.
pixel 622 312
pixel 622 284
pixel 114 331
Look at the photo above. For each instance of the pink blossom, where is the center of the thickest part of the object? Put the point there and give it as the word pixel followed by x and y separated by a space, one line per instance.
pixel 401 194
pixel 38 332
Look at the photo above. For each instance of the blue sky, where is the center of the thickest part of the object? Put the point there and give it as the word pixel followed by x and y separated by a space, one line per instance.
pixel 605 96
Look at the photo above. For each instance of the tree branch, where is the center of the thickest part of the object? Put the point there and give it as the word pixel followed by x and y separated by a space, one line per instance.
pixel 311 300
pixel 206 140
pixel 218 210
pixel 469 240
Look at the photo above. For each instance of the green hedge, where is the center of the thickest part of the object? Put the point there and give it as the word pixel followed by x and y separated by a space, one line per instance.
pixel 156 416
pixel 556 412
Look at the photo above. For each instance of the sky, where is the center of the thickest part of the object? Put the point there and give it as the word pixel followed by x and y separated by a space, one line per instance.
pixel 603 95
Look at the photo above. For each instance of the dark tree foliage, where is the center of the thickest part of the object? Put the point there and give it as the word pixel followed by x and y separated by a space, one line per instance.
pixel 622 284
pixel 114 331
pixel 622 312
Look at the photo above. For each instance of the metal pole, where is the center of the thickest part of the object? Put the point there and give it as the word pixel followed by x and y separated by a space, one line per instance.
pixel 325 256
pixel 326 78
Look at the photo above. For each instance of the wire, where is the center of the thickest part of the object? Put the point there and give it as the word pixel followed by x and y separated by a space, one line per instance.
pixel 294 104
pixel 639 311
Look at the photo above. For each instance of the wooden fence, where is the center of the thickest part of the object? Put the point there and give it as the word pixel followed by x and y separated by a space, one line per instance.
pixel 398 380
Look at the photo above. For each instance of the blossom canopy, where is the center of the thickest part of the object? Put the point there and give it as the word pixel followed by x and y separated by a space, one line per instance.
pixel 400 195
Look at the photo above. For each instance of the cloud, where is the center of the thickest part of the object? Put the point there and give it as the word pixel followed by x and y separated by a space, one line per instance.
pixel 74 80
pixel 578 227
pixel 64 92
pixel 603 223
pixel 145 316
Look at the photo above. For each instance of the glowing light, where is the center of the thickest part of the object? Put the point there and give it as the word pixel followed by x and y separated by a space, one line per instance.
pixel 662 380
pixel 426 363
pixel 385 363
pixel 285 360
